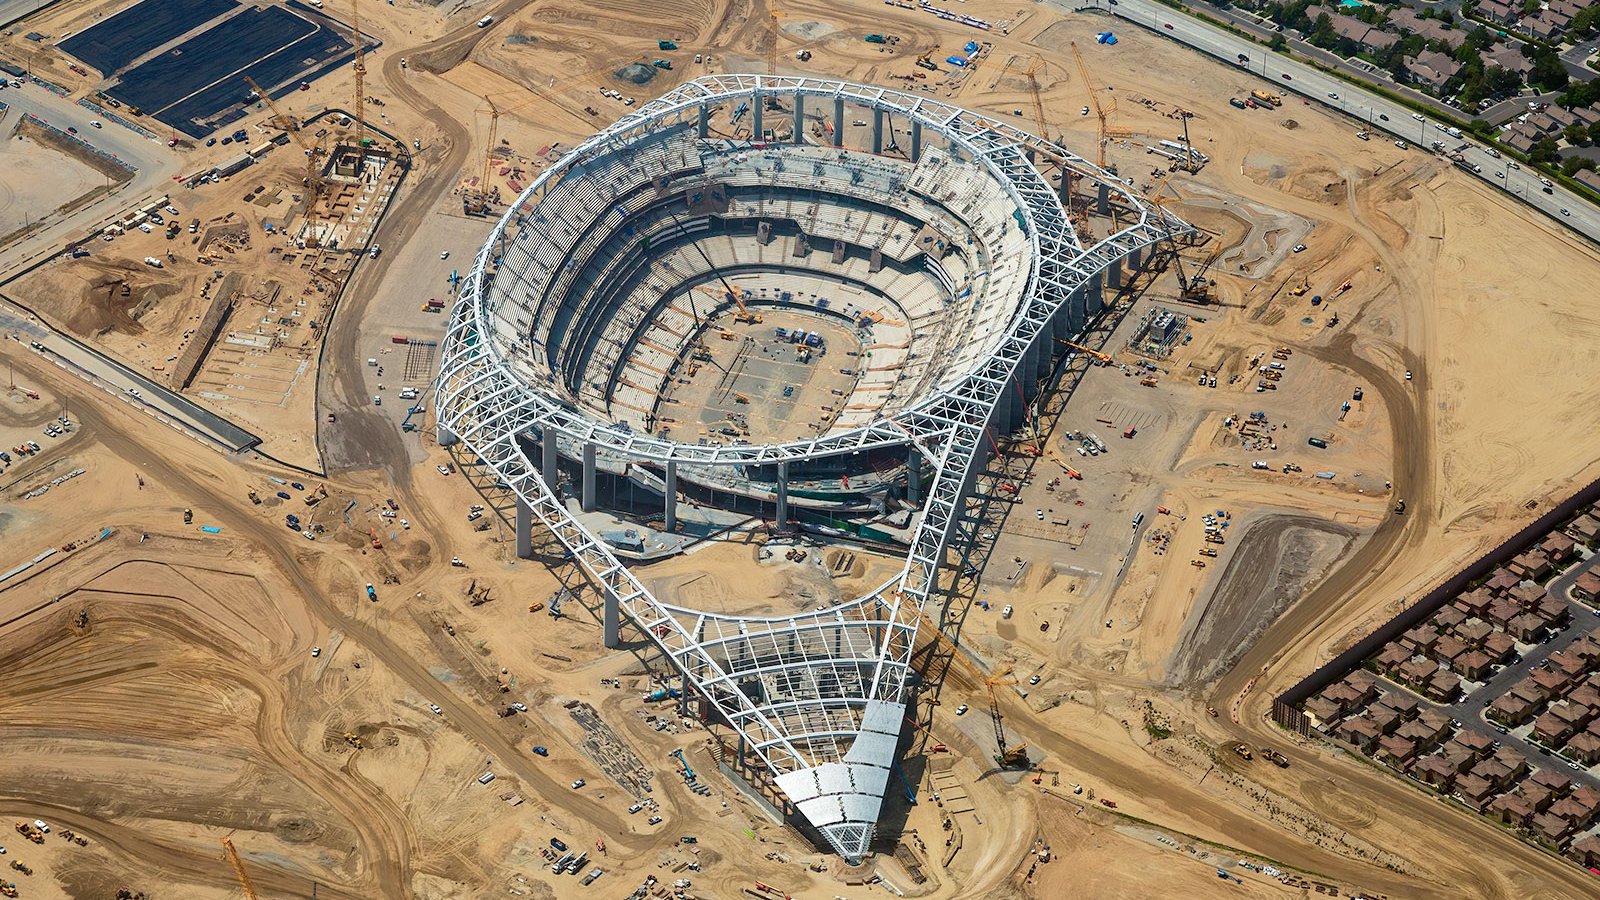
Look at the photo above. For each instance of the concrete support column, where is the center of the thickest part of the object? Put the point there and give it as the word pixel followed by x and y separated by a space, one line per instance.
pixel 913 476
pixel 1102 198
pixel 524 529
pixel 612 620
pixel 705 122
pixel 444 436
pixel 1135 258
pixel 916 141
pixel 877 131
pixel 838 121
pixel 551 474
pixel 1044 351
pixel 589 501
pixel 783 496
pixel 799 136
pixel 1077 308
pixel 1114 275
pixel 1095 297
pixel 1064 189
pixel 672 495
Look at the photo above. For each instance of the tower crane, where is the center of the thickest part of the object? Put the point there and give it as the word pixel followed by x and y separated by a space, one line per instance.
pixel 1194 288
pixel 313 150
pixel 239 872
pixel 1102 112
pixel 361 75
pixel 772 50
pixel 737 296
pixel 1008 757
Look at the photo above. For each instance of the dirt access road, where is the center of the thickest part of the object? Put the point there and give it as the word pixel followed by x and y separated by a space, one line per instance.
pixel 351 444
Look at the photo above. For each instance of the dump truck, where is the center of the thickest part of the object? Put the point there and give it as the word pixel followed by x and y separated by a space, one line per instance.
pixel 876 39
pixel 1237 103
pixel 666 45
pixel 1274 757
pixel 1262 96
pixel 372 593
pixel 662 63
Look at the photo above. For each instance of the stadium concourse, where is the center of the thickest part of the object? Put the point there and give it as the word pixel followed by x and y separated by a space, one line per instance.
pixel 941 244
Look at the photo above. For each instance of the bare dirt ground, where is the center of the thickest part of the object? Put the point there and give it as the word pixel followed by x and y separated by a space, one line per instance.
pixel 188 706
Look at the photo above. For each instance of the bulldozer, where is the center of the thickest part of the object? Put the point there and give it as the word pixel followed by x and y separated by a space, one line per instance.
pixel 354 741
pixel 8 889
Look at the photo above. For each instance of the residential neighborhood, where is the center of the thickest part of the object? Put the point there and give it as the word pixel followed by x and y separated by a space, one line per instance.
pixel 1526 73
pixel 1493 699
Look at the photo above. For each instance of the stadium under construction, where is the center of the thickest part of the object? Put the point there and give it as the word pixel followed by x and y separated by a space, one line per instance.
pixel 722 298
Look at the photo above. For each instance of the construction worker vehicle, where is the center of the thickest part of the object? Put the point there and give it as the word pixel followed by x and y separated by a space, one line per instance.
pixel 8 889
pixel 20 867
pixel 1243 751
pixel 1207 551
pixel 1269 97
pixel 1274 757
pixel 188 517
pixel 31 832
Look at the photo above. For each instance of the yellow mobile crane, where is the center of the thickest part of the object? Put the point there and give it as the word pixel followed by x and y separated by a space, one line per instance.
pixel 313 149
pixel 239 872
pixel 1008 757
pixel 1103 358
pixel 1102 112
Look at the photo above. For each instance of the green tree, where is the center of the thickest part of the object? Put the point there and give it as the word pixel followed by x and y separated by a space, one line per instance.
pixel 1575 134
pixel 1277 43
pixel 1544 151
pixel 1548 73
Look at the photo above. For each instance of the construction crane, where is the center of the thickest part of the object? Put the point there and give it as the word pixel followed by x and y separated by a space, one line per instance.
pixel 1008 757
pixel 1195 288
pixel 772 50
pixel 313 149
pixel 488 158
pixel 279 118
pixel 1103 358
pixel 239 872
pixel 1102 112
pixel 361 75
pixel 736 295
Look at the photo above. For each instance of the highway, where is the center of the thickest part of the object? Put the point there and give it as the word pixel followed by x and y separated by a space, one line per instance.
pixel 1290 76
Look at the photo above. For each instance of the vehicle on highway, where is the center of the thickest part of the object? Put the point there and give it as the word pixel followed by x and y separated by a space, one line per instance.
pixel 1286 77
pixel 1418 117
pixel 71 130
pixel 1383 117
pixel 134 392
pixel 95 125
pixel 1565 211
pixel 1167 26
pixel 1333 95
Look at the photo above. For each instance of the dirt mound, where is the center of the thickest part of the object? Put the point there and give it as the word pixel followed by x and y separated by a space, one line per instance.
pixel 636 73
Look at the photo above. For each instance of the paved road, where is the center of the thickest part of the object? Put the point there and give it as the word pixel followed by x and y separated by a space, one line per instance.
pixel 155 162
pixel 121 382
pixel 1316 86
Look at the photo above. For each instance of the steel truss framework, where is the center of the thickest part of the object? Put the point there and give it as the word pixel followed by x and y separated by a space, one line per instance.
pixel 819 697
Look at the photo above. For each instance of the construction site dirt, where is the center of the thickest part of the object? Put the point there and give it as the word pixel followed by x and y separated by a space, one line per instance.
pixel 172 683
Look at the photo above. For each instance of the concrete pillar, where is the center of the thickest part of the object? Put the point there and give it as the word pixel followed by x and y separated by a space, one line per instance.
pixel 672 495
pixel 1102 198
pixel 589 501
pixel 757 104
pixel 799 136
pixel 552 475
pixel 1064 189
pixel 877 131
pixel 612 620
pixel 1114 275
pixel 913 476
pixel 1077 313
pixel 444 435
pixel 524 529
pixel 1095 296
pixel 1135 258
pixel 783 496
pixel 705 122
pixel 916 141
pixel 838 121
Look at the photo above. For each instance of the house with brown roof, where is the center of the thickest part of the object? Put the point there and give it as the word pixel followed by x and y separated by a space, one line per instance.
pixel 1573 811
pixel 1499 646
pixel 1552 828
pixel 1447 618
pixel 1360 732
pixel 1418 671
pixel 1552 730
pixel 1390 657
pixel 1546 25
pixel 1444 686
pixel 1512 710
pixel 1557 546
pixel 1429 29
pixel 1474 791
pixel 1500 11
pixel 1586 795
pixel 1323 712
pixel 1550 683
pixel 1474 632
pixel 1528 594
pixel 1501 581
pixel 1538 796
pixel 1436 772
pixel 1473 665
pixel 1448 648
pixel 1586 851
pixel 1364 684
pixel 1476 743
pixel 1502 611
pixel 1531 564
pixel 1584 747
pixel 1495 772
pixel 1420 639
pixel 1585 528
pixel 1474 602
pixel 1508 58
pixel 1342 695
pixel 1554 612
pixel 1552 780
pixel 1526 627
pixel 1512 809
pixel 1585 695
pixel 1432 69
pixel 1587 587
pixel 1396 751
